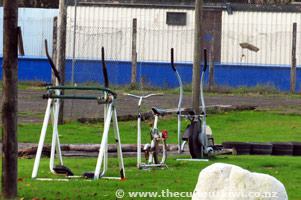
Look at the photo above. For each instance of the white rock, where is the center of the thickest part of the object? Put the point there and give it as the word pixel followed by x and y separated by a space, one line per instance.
pixel 229 182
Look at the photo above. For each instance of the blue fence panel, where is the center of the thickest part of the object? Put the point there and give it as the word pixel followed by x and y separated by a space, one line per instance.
pixel 242 75
pixel 34 69
pixel 159 74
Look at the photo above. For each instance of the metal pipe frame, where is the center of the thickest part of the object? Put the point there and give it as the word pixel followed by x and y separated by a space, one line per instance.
pixel 52 110
pixel 139 164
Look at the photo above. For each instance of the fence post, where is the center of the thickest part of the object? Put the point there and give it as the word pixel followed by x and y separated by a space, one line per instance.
pixel 197 56
pixel 211 63
pixel 293 68
pixel 10 101
pixel 54 49
pixel 134 54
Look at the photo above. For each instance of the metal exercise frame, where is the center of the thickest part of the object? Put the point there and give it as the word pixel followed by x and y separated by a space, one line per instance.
pixel 198 144
pixel 54 95
pixel 158 136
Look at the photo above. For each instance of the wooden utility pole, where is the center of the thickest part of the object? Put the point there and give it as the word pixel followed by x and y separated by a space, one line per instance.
pixel 197 52
pixel 134 53
pixel 10 100
pixel 54 49
pixel 61 50
pixel 293 69
pixel 211 62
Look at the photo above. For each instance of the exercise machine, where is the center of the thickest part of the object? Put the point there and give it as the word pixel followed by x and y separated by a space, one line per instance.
pixel 152 150
pixel 197 134
pixel 54 95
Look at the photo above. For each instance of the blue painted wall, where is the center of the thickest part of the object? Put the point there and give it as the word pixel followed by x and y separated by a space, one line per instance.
pixel 160 74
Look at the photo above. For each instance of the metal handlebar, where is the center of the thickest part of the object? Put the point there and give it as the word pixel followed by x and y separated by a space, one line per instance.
pixel 205 60
pixel 142 97
pixel 172 61
pixel 56 73
pixel 180 99
pixel 104 69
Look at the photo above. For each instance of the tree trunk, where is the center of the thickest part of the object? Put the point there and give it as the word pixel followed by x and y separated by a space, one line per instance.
pixel 10 101
pixel 61 51
pixel 197 56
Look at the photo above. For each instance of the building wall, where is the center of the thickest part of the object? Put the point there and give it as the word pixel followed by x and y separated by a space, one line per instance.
pixel 111 27
pixel 271 32
pixel 36 25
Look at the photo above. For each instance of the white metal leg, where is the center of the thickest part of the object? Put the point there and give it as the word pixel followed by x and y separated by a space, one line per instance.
pixel 58 144
pixel 139 143
pixel 104 143
pixel 106 154
pixel 118 144
pixel 42 138
pixel 179 133
pixel 54 137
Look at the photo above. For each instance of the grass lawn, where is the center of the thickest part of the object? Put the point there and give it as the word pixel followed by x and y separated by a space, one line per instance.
pixel 246 126
pixel 181 175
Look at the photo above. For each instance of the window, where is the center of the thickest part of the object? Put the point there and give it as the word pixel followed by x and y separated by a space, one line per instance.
pixel 176 18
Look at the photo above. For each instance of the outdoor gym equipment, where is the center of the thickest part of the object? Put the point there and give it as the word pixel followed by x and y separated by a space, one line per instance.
pixel 152 150
pixel 54 95
pixel 197 134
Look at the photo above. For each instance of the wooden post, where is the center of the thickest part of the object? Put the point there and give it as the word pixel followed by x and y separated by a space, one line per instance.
pixel 293 69
pixel 211 62
pixel 61 51
pixel 10 101
pixel 20 42
pixel 197 52
pixel 134 54
pixel 54 49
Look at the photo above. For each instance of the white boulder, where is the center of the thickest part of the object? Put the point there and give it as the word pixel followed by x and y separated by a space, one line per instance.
pixel 229 182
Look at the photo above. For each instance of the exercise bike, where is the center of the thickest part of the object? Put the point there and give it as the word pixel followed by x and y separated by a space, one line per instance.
pixel 197 134
pixel 152 150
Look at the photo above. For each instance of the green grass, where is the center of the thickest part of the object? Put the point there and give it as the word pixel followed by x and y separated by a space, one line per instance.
pixel 246 126
pixel 180 177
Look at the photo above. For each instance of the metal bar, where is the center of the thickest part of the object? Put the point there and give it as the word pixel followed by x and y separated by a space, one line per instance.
pixel 139 142
pixel 54 135
pixel 104 69
pixel 56 72
pixel 104 142
pixel 42 139
pixel 74 97
pixel 179 110
pixel 195 160
pixel 81 88
pixel 58 144
pixel 154 165
pixel 137 5
pixel 118 144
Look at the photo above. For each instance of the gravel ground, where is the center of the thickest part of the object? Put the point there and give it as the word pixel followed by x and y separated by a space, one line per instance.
pixel 32 107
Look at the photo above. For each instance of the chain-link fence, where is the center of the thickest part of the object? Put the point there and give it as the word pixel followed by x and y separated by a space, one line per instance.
pixel 248 48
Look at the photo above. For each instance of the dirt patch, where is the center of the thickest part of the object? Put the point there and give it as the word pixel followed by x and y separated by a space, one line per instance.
pixel 32 107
